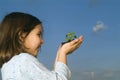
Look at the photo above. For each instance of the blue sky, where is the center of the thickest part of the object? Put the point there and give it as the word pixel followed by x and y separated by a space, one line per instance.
pixel 97 20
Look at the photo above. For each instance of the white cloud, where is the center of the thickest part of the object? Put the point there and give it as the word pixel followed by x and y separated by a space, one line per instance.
pixel 99 26
pixel 97 75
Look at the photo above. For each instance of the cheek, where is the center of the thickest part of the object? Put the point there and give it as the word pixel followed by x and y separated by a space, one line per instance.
pixel 32 42
pixel 35 42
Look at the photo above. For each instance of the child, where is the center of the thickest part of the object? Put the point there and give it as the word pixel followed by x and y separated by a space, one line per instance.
pixel 20 40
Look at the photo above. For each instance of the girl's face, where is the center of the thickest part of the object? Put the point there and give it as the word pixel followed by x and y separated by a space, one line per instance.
pixel 34 40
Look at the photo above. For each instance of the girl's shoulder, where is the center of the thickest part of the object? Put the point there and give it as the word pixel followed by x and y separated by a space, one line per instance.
pixel 19 64
pixel 21 59
pixel 23 56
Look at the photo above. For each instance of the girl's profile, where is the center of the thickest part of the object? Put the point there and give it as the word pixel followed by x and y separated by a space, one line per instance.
pixel 20 40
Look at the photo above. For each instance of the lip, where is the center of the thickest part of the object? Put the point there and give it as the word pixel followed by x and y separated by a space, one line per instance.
pixel 38 49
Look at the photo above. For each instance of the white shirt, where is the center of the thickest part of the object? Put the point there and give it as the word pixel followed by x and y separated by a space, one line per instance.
pixel 27 67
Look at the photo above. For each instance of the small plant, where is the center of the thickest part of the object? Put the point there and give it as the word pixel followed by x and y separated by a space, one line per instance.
pixel 69 37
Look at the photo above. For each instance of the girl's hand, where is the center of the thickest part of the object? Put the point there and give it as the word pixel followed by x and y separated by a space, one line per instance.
pixel 69 47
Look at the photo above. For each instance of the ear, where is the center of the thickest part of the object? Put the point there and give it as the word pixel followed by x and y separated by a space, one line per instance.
pixel 22 36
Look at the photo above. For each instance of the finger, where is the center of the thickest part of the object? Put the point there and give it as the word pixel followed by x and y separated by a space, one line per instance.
pixel 78 40
pixel 77 44
pixel 74 41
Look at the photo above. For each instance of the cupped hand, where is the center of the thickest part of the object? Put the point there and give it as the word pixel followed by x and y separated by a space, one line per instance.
pixel 69 47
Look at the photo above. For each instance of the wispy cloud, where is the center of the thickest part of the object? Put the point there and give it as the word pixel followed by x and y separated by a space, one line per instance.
pixel 97 75
pixel 99 26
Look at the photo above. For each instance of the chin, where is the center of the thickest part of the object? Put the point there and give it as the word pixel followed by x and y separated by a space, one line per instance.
pixel 36 54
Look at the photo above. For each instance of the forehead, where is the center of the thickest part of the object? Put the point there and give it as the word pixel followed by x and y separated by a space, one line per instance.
pixel 38 28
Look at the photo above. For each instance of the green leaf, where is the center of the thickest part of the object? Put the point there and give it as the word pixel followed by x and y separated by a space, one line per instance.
pixel 70 36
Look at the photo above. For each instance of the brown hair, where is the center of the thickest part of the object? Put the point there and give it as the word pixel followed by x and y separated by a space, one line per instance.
pixel 12 27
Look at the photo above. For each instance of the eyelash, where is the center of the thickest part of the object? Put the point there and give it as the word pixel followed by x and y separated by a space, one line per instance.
pixel 39 34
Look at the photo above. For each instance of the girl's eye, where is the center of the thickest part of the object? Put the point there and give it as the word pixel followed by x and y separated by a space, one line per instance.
pixel 40 35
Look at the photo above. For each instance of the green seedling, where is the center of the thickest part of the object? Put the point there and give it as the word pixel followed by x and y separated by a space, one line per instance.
pixel 69 37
